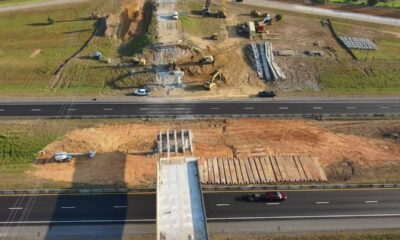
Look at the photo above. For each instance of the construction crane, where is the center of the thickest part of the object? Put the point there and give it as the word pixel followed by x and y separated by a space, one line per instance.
pixel 211 83
pixel 64 156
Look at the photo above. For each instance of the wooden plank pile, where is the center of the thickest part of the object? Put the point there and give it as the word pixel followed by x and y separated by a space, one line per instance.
pixel 260 170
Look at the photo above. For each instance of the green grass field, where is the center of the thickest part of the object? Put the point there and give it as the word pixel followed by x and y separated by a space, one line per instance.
pixel 31 49
pixel 4 3
pixel 376 72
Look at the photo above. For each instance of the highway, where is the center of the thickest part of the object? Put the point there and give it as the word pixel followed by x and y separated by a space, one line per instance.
pixel 117 216
pixel 220 206
pixel 206 109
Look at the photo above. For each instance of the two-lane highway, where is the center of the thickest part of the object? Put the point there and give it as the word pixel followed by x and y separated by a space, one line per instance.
pixel 181 109
pixel 220 206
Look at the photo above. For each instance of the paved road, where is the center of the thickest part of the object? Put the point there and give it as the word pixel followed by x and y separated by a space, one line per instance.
pixel 116 208
pixel 182 109
pixel 323 12
pixel 43 3
pixel 112 216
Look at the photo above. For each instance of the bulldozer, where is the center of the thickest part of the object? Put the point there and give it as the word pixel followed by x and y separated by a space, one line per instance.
pixel 211 83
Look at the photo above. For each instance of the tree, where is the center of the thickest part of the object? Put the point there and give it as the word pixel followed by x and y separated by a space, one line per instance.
pixel 278 17
pixel 51 20
pixel 372 2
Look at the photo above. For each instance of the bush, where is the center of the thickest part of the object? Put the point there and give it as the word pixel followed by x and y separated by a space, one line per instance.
pixel 278 17
pixel 372 2
pixel 51 20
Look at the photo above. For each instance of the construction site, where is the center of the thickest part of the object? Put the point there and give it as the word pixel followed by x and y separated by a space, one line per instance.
pixel 229 152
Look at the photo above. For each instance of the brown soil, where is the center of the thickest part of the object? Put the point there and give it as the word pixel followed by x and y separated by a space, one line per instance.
pixel 124 150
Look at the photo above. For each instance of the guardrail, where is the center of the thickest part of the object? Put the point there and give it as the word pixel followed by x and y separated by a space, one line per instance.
pixel 205 188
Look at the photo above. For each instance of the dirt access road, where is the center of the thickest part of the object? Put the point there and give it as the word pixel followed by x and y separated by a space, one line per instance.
pixel 38 4
pixel 324 12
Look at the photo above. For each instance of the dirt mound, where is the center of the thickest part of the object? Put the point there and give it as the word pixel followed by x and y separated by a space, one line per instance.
pixel 124 150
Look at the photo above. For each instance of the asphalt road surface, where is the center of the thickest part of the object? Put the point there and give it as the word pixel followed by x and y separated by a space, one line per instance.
pixel 323 12
pixel 117 216
pixel 221 206
pixel 182 109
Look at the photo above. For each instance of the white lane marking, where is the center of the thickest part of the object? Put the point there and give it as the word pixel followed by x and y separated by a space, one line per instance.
pixel 310 216
pixel 72 109
pixel 214 108
pixel 15 208
pixel 36 110
pixel 273 203
pixel 120 206
pixel 80 221
pixel 351 107
pixel 248 108
pixel 317 107
pixel 1 110
pixel 210 219
pixel 222 204
pixel 283 108
pixel 181 108
pixel 318 203
pixel 384 107
pixel 371 201
pixel 107 109
pixel 72 207
pixel 144 109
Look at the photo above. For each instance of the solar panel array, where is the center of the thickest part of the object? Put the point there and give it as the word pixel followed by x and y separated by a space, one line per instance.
pixel 358 43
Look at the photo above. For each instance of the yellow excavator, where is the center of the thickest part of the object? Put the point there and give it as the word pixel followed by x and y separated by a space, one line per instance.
pixel 211 83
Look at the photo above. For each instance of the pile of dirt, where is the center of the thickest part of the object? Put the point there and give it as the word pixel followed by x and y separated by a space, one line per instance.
pixel 125 150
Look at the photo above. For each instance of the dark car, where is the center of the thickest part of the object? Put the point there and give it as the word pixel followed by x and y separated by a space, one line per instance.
pixel 254 197
pixel 267 197
pixel 266 94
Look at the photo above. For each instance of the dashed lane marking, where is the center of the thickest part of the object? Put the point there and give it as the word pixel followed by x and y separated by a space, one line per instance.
pixel 70 207
pixel 371 201
pixel 351 107
pixel 215 108
pixel 36 110
pixel 319 203
pixel 283 108
pixel 108 109
pixel 248 108
pixel 317 107
pixel 222 204
pixel 15 208
pixel 120 206
pixel 273 203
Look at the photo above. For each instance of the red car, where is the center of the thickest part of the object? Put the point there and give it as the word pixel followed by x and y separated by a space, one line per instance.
pixel 275 196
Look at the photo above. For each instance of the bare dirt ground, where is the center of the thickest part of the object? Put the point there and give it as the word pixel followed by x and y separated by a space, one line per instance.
pixel 124 151
pixel 233 55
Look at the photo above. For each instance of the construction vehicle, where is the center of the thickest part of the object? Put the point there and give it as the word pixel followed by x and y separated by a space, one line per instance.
pixel 206 60
pixel 211 83
pixel 64 156
pixel 212 37
pixel 206 8
pixel 221 13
